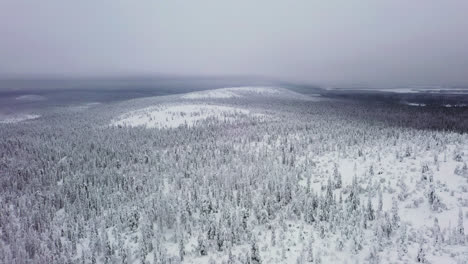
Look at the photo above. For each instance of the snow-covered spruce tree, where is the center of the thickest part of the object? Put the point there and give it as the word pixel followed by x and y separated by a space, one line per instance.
pixel 395 213
pixel 108 252
pixel 433 199
pixel 202 245
pixel 142 251
pixel 181 248
pixel 310 252
pixel 353 197
pixel 123 253
pixel 380 202
pixel 374 256
pixel 460 228
pixel 425 171
pixel 421 257
pixel 231 258
pixel 221 238
pixel 273 236
pixel 403 188
pixel 379 234
pixel 337 177
pixel 370 210
pixel 212 229
pixel 436 234
pixel 254 253
pixel 339 243
pixel 402 241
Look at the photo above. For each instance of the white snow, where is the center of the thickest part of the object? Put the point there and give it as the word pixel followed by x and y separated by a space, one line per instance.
pixel 31 97
pixel 84 106
pixel 10 119
pixel 175 115
pixel 219 93
pixel 402 167
pixel 233 92
pixel 414 104
pixel 455 105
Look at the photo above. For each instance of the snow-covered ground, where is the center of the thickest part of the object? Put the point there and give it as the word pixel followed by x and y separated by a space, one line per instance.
pixel 82 107
pixel 414 104
pixel 255 178
pixel 180 112
pixel 175 115
pixel 218 93
pixel 9 119
pixel 455 105
pixel 31 97
pixel 405 177
pixel 400 174
pixel 236 92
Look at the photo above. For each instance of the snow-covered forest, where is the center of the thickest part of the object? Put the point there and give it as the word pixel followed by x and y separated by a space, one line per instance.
pixel 236 175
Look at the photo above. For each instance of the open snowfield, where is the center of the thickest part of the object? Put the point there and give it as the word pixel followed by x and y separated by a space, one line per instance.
pixel 16 118
pixel 172 116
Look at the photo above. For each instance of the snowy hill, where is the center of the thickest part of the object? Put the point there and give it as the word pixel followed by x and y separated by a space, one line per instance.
pixel 179 112
pixel 175 115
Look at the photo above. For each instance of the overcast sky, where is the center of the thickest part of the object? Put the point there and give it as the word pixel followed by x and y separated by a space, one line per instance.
pixel 328 42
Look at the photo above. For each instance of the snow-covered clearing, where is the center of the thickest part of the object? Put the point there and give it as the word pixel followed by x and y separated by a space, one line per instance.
pixel 175 115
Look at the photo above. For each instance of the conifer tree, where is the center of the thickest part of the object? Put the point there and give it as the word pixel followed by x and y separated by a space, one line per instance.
pixel 395 213
pixel 202 245
pixel 460 228
pixel 436 233
pixel 254 253
pixel 370 210
pixel 181 248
